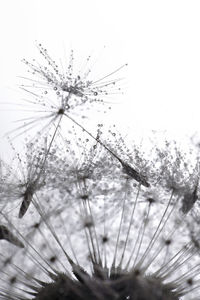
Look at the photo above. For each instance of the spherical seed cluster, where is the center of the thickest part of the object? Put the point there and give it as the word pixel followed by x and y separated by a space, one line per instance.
pixel 94 226
pixel 97 219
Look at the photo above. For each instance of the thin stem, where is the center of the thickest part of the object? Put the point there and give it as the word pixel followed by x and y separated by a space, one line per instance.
pixel 119 231
pixel 94 138
pixel 144 228
pixel 130 224
pixel 155 233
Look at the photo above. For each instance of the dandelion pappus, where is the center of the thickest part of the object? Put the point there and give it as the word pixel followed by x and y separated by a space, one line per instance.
pixel 28 179
pixel 61 90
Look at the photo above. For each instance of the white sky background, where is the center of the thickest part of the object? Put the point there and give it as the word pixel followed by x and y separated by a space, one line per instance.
pixel 160 41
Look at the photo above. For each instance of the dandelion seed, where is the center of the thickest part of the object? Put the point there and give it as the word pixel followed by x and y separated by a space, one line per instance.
pixel 135 175
pixel 27 198
pixel 61 91
pixel 189 199
pixel 67 82
pixel 29 178
pixel 5 234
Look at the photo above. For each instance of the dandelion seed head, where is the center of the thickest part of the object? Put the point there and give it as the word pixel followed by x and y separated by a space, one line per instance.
pixel 106 220
pixel 148 276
